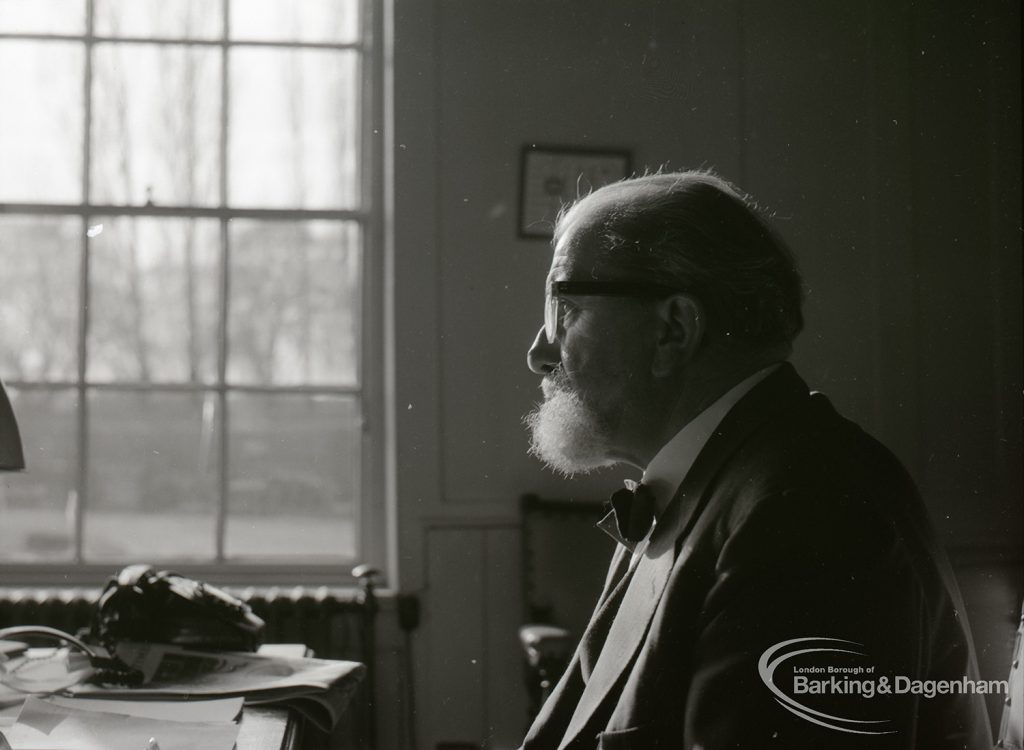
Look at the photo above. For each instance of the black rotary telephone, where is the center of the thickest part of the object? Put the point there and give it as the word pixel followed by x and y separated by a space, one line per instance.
pixel 146 605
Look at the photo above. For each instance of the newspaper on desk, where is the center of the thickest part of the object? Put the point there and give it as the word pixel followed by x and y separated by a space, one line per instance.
pixel 319 689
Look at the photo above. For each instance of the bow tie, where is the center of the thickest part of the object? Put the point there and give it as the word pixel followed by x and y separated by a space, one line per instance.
pixel 633 508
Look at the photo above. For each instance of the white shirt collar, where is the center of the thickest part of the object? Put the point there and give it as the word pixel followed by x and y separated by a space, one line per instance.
pixel 670 465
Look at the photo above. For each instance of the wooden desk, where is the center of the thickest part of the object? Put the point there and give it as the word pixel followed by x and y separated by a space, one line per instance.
pixel 268 728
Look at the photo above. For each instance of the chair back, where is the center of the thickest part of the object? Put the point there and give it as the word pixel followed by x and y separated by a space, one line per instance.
pixel 565 559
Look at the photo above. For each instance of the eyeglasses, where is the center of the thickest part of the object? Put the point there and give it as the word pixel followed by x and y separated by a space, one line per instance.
pixel 557 289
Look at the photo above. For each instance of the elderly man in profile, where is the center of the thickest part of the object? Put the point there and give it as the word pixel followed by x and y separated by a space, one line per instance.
pixel 772 545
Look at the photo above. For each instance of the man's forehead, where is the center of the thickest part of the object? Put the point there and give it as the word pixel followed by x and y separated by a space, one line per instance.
pixel 577 242
pixel 571 259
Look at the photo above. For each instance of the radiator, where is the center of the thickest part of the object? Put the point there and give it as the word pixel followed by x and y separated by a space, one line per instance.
pixel 64 609
pixel 335 623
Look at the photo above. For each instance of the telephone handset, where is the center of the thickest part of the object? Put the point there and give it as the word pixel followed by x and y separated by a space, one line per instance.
pixel 146 605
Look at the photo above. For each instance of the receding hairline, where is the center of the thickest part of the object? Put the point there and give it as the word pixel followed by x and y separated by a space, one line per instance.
pixel 700 231
pixel 634 191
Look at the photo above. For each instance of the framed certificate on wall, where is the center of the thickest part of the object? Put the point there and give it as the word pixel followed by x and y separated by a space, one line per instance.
pixel 553 176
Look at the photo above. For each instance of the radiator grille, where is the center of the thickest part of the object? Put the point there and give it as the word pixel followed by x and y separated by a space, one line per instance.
pixel 65 609
pixel 330 621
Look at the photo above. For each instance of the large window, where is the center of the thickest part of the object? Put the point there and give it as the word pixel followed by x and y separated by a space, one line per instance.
pixel 187 227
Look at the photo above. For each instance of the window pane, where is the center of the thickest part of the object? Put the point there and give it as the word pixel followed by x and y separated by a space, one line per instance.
pixel 294 307
pixel 294 464
pixel 156 124
pixel 43 16
pixel 38 505
pixel 180 19
pixel 41 126
pixel 40 256
pixel 154 304
pixel 285 20
pixel 152 476
pixel 294 136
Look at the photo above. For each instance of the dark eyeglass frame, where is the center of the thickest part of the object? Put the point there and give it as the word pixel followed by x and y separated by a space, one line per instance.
pixel 557 289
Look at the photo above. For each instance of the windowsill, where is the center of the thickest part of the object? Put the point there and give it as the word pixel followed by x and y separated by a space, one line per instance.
pixel 261 575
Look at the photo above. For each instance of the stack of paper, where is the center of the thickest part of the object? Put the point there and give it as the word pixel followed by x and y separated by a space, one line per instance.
pixel 74 724
pixel 318 688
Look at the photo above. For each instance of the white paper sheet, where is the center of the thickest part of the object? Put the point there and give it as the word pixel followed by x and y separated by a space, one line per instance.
pixel 46 726
pixel 221 710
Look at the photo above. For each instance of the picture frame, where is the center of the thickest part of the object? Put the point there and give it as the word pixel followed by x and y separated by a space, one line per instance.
pixel 552 176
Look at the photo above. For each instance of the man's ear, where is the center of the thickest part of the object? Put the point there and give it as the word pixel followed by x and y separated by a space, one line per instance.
pixel 680 333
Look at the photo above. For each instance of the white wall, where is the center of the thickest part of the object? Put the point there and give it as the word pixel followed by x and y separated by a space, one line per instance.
pixel 886 139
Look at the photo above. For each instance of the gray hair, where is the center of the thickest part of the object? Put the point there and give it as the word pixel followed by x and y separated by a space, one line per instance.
pixel 695 231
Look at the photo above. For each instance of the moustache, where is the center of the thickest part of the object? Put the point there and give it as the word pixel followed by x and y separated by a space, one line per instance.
pixel 555 382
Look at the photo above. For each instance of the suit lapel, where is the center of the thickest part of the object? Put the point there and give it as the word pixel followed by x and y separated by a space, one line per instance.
pixel 604 614
pixel 629 628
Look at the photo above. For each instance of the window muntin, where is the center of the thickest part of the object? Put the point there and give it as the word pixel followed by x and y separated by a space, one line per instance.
pixel 184 350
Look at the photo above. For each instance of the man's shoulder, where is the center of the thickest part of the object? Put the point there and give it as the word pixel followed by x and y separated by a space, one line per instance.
pixel 781 425
pixel 812 444
pixel 785 456
pixel 812 469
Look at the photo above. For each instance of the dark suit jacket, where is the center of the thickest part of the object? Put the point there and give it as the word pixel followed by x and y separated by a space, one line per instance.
pixel 793 523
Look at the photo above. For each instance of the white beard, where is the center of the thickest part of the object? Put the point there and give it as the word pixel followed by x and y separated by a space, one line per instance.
pixel 569 436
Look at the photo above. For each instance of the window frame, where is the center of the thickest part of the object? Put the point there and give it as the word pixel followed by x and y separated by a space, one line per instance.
pixel 371 536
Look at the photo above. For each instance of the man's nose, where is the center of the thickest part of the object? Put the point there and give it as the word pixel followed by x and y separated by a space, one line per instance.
pixel 543 356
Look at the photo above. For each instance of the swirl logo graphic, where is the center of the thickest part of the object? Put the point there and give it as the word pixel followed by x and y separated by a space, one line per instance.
pixel 833 684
